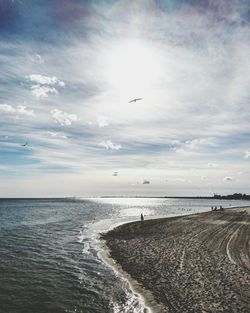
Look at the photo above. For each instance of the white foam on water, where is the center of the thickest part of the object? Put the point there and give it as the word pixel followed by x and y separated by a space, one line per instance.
pixel 86 248
pixel 135 302
pixel 81 236
pixel 90 237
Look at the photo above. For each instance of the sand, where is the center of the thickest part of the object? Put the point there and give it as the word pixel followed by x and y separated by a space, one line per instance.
pixel 196 263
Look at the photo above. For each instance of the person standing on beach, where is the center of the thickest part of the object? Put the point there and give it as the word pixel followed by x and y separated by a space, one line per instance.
pixel 142 218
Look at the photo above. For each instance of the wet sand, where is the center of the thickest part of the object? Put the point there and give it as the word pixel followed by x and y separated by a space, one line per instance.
pixel 196 263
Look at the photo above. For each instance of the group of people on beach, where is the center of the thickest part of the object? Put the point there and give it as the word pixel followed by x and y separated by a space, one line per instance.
pixel 217 209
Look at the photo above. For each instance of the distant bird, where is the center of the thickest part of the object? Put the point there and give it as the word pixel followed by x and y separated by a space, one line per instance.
pixel 115 174
pixel 25 144
pixel 135 99
pixel 146 182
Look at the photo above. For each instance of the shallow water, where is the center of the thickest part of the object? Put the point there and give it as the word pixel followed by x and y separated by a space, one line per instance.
pixel 50 252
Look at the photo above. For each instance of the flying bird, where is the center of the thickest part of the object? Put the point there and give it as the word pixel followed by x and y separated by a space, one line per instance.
pixel 135 99
pixel 115 174
pixel 25 144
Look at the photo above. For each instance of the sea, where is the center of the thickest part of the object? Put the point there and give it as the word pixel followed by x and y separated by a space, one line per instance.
pixel 51 256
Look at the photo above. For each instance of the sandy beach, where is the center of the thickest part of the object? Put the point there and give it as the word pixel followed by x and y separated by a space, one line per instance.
pixel 195 263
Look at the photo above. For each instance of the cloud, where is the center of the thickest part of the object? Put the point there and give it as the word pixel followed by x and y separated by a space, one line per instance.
pixel 212 165
pixel 45 80
pixel 44 85
pixel 37 59
pixel 175 142
pixel 146 182
pixel 247 155
pixel 7 108
pixel 183 180
pixel 187 63
pixel 63 118
pixel 228 178
pixel 102 121
pixel 109 145
pixel 42 91
pixel 19 109
pixel 57 135
pixel 194 145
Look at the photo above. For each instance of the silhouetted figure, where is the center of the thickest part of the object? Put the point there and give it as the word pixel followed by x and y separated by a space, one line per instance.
pixel 212 208
pixel 142 218
pixel 221 208
pixel 215 208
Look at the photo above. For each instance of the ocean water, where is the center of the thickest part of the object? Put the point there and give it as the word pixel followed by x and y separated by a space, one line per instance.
pixel 50 258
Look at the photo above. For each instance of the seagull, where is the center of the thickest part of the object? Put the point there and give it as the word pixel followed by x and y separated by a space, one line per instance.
pixel 115 174
pixel 25 144
pixel 135 99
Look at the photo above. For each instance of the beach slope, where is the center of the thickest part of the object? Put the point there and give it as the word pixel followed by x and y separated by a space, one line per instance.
pixel 196 263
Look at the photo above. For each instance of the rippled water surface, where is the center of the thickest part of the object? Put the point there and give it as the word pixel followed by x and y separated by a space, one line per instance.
pixel 49 252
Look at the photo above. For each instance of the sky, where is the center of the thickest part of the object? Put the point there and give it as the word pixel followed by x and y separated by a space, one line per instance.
pixel 69 69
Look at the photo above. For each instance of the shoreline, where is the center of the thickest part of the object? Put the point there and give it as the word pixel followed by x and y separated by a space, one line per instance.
pixel 145 296
pixel 139 291
pixel 131 249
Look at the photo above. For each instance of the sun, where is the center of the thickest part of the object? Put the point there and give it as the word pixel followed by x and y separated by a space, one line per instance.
pixel 132 67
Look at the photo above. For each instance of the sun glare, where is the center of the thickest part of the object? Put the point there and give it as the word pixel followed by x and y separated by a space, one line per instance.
pixel 132 67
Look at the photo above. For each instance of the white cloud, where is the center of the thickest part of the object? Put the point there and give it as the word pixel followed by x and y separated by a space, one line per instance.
pixel 194 145
pixel 20 109
pixel 183 180
pixel 109 145
pixel 102 121
pixel 247 154
pixel 7 108
pixel 45 80
pixel 212 165
pixel 37 59
pixel 42 91
pixel 63 118
pixel 57 135
pixel 175 142
pixel 44 85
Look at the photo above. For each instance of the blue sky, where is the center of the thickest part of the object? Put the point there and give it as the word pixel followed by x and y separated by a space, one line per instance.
pixel 69 69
